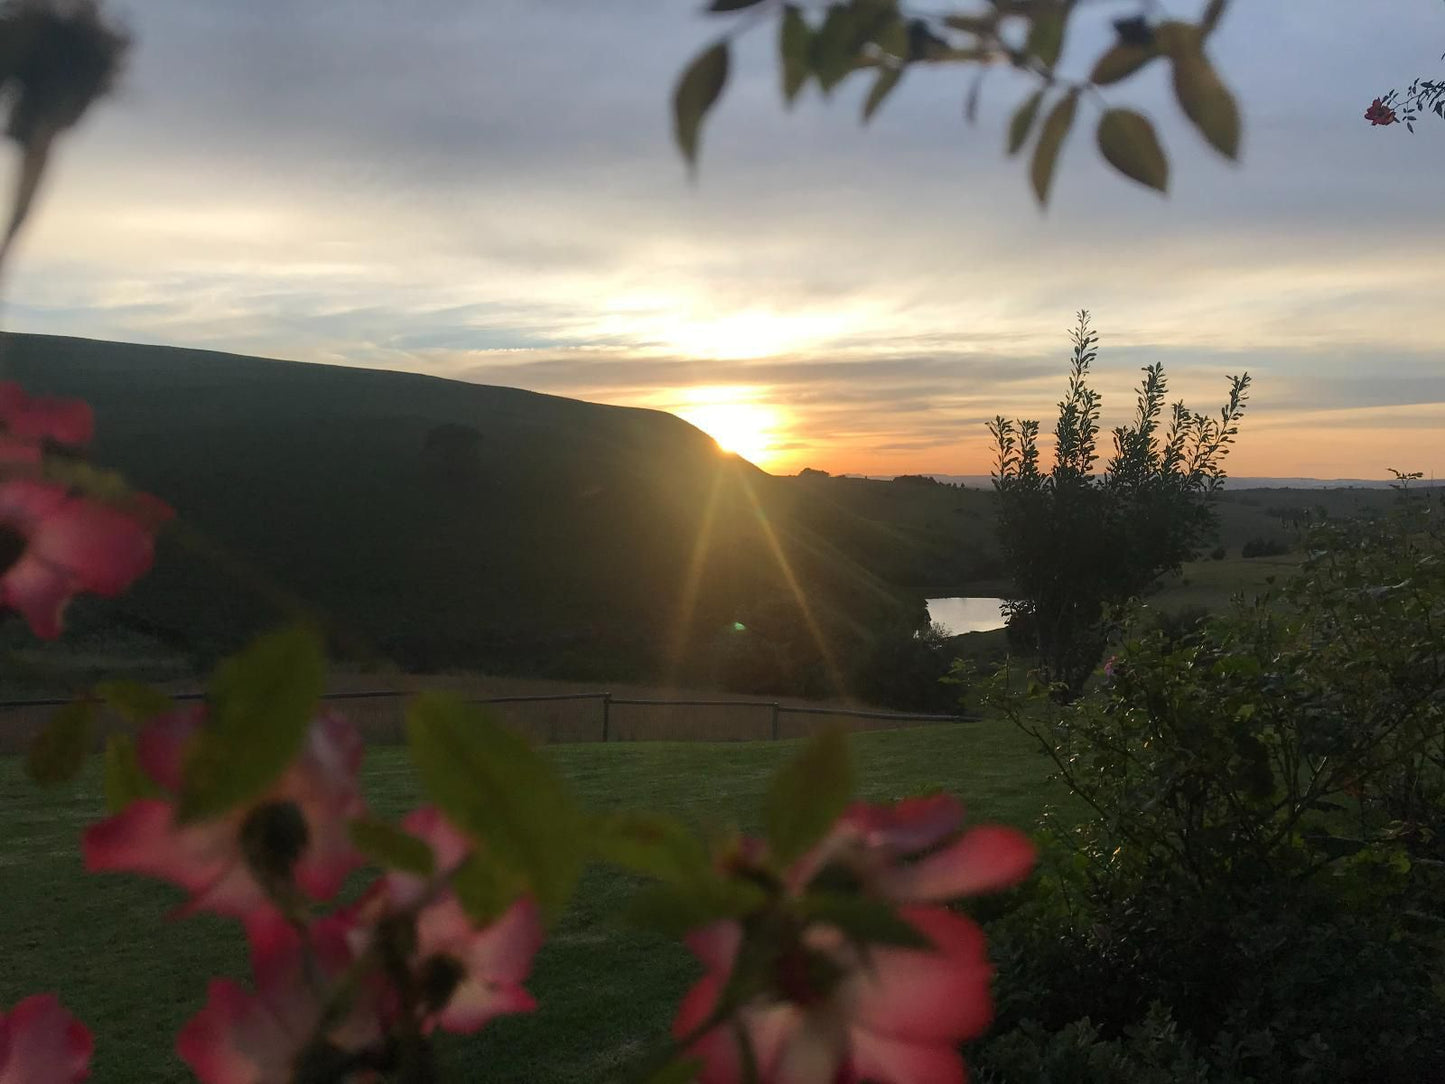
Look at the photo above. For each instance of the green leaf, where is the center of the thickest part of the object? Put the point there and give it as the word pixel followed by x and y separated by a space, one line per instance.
pixel 649 844
pixel 392 847
pixel 882 87
pixel 674 909
pixel 58 752
pixel 794 50
pixel 260 706
pixel 125 781
pixel 1051 139
pixel 698 91
pixel 1046 35
pixel 835 47
pixel 1120 62
pixel 808 794
pixel 1128 143
pixel 484 889
pixel 865 921
pixel 1207 102
pixel 497 789
pixel 1023 121
pixel 681 1071
pixel 134 701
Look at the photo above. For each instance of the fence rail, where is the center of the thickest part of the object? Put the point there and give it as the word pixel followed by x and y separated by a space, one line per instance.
pixel 725 719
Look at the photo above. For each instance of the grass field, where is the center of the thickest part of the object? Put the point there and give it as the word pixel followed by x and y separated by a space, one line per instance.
pixel 103 943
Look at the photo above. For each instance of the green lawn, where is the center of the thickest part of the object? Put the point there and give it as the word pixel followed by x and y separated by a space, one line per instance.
pixel 103 943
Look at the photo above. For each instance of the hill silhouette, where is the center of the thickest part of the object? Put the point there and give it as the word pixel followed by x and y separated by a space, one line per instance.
pixel 446 524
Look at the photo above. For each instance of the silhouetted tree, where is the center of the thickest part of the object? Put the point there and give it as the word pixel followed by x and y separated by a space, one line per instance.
pixel 1077 541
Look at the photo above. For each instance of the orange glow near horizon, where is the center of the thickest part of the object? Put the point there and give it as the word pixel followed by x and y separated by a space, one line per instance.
pixel 736 421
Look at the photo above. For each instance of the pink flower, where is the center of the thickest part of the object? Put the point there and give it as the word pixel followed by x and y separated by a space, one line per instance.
pixel 54 545
pixel 1111 666
pixel 877 845
pixel 1380 113
pixel 467 974
pixel 209 858
pixel 41 1043
pixel 835 1012
pixel 260 1036
pixel 64 421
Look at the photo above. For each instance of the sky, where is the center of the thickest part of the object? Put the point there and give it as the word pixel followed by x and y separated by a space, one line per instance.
pixel 488 191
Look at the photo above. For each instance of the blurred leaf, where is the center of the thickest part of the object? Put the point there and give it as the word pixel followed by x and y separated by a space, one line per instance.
pixel 1212 12
pixel 260 706
pixel 392 847
pixel 732 5
pixel 1128 143
pixel 125 781
pixel 484 889
pixel 835 47
pixel 497 789
pixel 698 91
pixel 1051 139
pixel 808 794
pixel 134 701
pixel 795 50
pixel 1046 34
pixel 1120 62
pixel 864 920
pixel 1176 39
pixel 58 752
pixel 887 79
pixel 650 844
pixel 676 909
pixel 1207 102
pixel 1023 121
pixel 891 35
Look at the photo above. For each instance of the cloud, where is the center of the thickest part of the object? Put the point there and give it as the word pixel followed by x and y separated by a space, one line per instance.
pixel 489 193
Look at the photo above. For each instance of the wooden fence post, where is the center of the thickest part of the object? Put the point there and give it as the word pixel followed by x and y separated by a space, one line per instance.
pixel 775 720
pixel 606 716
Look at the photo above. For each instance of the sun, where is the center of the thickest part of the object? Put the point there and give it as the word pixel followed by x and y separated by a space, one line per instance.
pixel 748 428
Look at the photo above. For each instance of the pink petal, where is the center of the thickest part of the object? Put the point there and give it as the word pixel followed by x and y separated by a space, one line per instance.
pixel 41 1043
pixel 102 548
pixel 891 1061
pixel 161 747
pixel 448 843
pixel 473 1004
pixel 204 858
pixel 323 784
pixel 986 859
pixel 906 827
pixel 24 502
pixel 65 421
pixel 716 945
pixel 15 452
pixel 810 1053
pixel 235 1039
pixel 933 997
pixel 39 592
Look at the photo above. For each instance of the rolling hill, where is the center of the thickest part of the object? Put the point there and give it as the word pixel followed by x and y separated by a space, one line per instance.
pixel 434 523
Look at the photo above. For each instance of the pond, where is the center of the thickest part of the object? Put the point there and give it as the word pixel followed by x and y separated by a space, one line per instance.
pixel 960 615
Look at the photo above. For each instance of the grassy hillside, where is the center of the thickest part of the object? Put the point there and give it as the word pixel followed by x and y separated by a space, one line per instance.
pixel 438 523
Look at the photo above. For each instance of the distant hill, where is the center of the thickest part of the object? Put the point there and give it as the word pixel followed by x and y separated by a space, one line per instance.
pixel 983 481
pixel 446 524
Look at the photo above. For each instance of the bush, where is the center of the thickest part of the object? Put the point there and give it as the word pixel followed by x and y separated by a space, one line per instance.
pixel 1218 553
pixel 1263 859
pixel 1264 547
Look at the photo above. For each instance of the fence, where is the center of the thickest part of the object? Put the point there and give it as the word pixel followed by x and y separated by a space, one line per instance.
pixel 564 717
